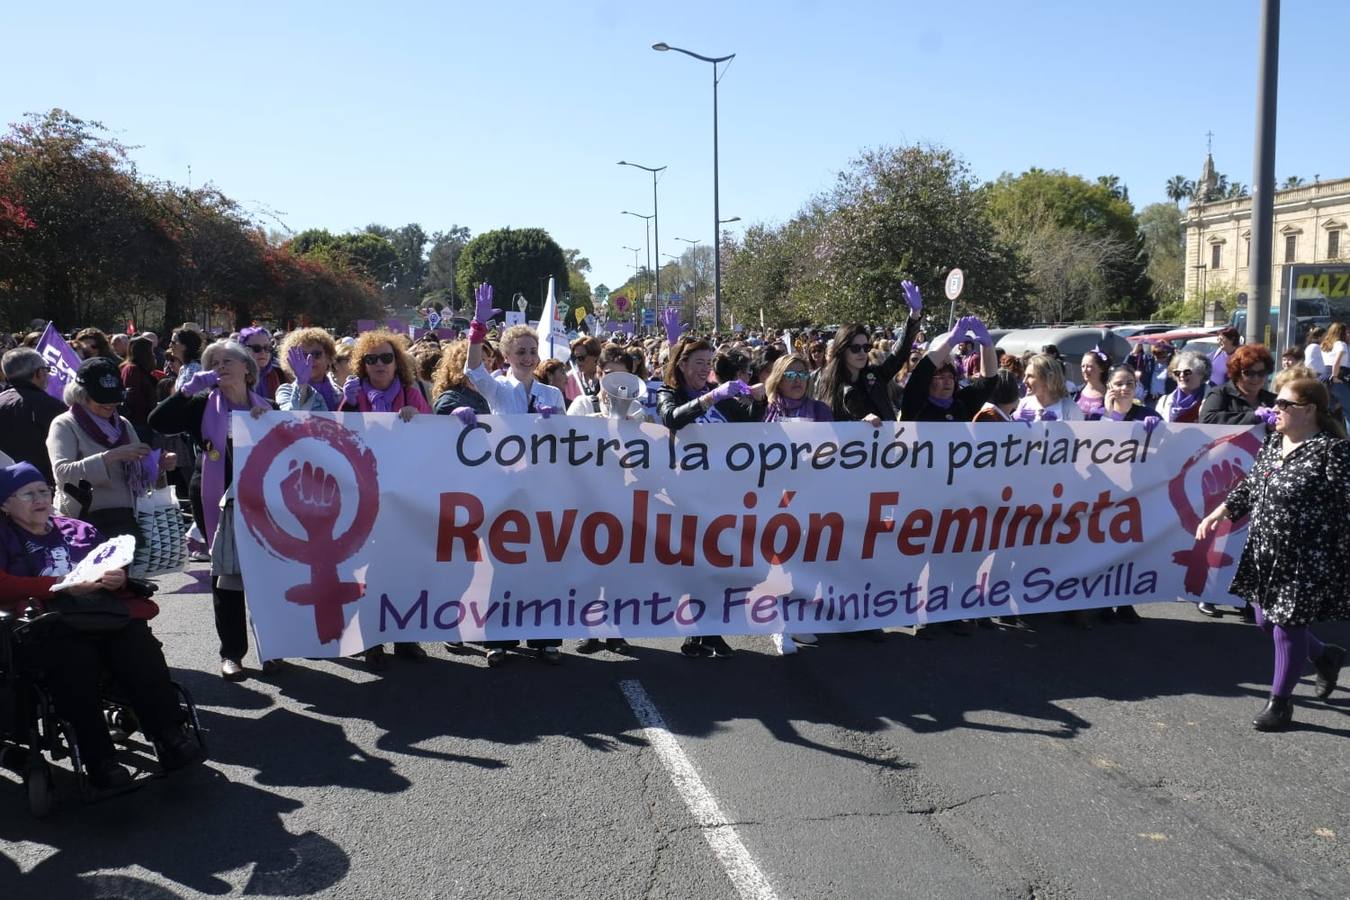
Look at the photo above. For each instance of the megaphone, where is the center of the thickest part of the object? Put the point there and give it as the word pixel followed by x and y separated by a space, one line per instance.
pixel 624 391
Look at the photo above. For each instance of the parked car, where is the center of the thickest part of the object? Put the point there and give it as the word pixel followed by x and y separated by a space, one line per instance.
pixel 1071 342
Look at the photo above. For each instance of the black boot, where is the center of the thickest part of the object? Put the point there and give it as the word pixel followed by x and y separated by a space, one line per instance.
pixel 1328 667
pixel 1277 715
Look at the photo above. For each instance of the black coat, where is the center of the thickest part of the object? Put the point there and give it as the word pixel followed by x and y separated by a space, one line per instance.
pixel 870 392
pixel 1225 406
pixel 26 414
pixel 679 408
pixel 966 401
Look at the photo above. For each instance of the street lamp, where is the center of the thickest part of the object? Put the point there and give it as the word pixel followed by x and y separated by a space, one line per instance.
pixel 717 222
pixel 647 221
pixel 656 221
pixel 728 221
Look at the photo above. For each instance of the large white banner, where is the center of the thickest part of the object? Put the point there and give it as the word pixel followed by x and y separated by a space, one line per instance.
pixel 358 529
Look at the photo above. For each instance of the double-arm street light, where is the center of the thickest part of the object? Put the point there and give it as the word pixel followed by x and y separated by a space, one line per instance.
pixel 647 221
pixel 656 221
pixel 717 222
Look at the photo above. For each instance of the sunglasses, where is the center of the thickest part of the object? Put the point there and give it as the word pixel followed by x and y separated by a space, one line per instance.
pixel 1281 403
pixel 796 376
pixel 859 348
pixel 371 359
pixel 1255 373
pixel 1183 373
pixel 260 348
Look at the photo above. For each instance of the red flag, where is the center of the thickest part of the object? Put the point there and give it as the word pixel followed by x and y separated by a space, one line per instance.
pixel 131 326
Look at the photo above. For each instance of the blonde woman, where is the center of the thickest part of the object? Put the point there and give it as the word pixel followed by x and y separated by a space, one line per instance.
pixel 1047 398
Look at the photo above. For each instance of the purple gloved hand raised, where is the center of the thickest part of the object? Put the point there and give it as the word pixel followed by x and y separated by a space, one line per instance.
pixel 670 318
pixel 962 330
pixel 351 389
pixel 466 415
pixel 1267 415
pixel 483 310
pixel 980 332
pixel 1151 422
pixel 1049 415
pixel 546 410
pixel 913 299
pixel 199 383
pixel 730 389
pixel 300 365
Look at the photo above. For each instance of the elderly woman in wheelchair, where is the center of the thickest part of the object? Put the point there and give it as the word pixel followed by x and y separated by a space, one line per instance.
pixel 101 630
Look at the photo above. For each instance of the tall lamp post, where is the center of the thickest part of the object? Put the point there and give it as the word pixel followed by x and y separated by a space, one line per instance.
pixel 717 224
pixel 656 220
pixel 647 221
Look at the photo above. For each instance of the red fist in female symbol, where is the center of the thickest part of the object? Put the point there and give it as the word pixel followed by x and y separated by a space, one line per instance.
pixel 314 498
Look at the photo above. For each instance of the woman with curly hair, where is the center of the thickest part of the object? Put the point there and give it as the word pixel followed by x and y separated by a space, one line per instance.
pixel 307 355
pixel 384 380
pixel 383 377
pixel 451 387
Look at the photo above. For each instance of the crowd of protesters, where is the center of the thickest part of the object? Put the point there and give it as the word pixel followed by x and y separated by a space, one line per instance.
pixel 138 414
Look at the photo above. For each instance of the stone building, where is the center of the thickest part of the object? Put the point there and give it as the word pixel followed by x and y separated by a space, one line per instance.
pixel 1310 227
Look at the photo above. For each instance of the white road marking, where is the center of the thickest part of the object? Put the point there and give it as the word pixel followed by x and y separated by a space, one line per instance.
pixel 740 866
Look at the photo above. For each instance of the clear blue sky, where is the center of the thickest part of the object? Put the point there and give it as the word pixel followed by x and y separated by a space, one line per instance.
pixel 515 113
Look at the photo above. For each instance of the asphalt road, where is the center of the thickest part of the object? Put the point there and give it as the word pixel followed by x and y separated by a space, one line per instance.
pixel 1056 763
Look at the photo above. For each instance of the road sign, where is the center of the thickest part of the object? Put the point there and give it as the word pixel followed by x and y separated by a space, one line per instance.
pixel 621 303
pixel 956 279
pixel 677 298
pixel 649 316
pixel 521 303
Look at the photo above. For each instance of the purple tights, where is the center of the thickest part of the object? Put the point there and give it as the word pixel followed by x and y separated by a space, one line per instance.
pixel 1293 645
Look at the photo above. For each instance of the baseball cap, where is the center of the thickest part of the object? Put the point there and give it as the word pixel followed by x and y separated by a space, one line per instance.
pixel 100 378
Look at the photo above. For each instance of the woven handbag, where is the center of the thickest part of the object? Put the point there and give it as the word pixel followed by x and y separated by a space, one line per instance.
pixel 162 547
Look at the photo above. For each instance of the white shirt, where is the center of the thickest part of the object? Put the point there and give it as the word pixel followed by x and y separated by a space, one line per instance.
pixel 505 395
pixel 1065 410
pixel 1329 358
pixel 1314 359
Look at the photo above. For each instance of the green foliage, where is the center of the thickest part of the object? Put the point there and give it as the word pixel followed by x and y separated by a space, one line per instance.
pixel 369 254
pixel 1165 243
pixel 441 262
pixel 512 260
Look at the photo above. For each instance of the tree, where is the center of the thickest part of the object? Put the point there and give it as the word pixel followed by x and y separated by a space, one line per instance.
pixel 896 213
pixel 439 286
pixel 514 261
pixel 1165 243
pixel 1236 190
pixel 1293 181
pixel 576 262
pixel 364 252
pixel 410 246
pixel 1179 188
pixel 1034 207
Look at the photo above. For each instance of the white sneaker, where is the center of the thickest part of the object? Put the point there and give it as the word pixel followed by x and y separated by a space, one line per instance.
pixel 808 640
pixel 783 644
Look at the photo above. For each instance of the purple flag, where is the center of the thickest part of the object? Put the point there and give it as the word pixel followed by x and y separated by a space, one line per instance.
pixel 63 361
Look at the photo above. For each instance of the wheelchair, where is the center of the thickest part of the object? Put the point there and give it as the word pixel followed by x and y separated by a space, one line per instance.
pixel 33 735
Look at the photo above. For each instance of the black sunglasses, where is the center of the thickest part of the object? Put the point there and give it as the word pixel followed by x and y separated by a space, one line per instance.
pixel 371 359
pixel 860 348
pixel 1281 403
pixel 260 348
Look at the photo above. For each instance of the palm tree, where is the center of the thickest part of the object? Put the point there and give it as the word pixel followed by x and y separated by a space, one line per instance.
pixel 1179 188
pixel 1235 190
pixel 1292 181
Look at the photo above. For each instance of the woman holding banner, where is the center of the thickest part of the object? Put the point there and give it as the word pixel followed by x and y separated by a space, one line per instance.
pixel 201 410
pixel 856 390
pixel 932 395
pixel 1243 395
pixel 1298 541
pixel 515 392
pixel 1047 398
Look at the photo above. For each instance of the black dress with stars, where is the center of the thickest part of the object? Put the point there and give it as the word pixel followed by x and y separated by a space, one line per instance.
pixel 1297 555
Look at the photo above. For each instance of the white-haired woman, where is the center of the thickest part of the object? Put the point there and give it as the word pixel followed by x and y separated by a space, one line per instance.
pixel 1191 371
pixel 201 410
pixel 99 463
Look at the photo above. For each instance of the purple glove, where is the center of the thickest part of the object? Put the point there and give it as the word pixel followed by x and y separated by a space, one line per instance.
pixel 351 389
pixel 913 299
pixel 202 381
pixel 960 330
pixel 466 415
pixel 483 310
pixel 299 361
pixel 1026 414
pixel 670 318
pixel 1113 416
pixel 1267 415
pixel 1049 415
pixel 730 389
pixel 546 410
pixel 1151 422
pixel 981 333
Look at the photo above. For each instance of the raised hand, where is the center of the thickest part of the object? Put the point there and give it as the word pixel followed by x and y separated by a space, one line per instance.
pixel 466 415
pixel 201 382
pixel 730 389
pixel 483 310
pixel 300 365
pixel 980 332
pixel 314 498
pixel 351 389
pixel 913 299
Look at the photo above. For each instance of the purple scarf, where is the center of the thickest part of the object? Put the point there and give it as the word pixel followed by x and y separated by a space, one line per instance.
pixel 109 433
pixel 942 402
pixel 1182 402
pixel 780 409
pixel 325 389
pixel 383 400
pixel 216 436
